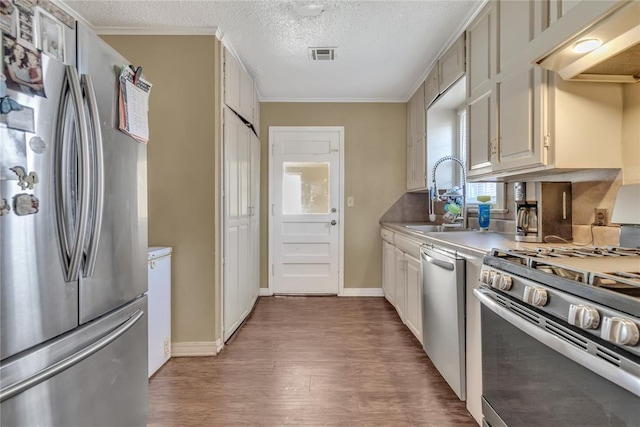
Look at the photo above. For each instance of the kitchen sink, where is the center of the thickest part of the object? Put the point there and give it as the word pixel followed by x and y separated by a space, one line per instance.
pixel 432 228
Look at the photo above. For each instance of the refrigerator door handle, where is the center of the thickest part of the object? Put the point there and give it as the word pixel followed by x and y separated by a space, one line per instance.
pixel 72 252
pixel 68 362
pixel 97 189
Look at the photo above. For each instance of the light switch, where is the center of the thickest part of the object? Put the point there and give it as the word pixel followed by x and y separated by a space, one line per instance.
pixel 350 202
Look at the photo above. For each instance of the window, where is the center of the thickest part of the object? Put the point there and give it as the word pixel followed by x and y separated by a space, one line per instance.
pixel 475 189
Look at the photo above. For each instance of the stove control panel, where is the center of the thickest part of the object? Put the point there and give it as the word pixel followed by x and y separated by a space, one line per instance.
pixel 583 316
pixel 535 295
pixel 620 331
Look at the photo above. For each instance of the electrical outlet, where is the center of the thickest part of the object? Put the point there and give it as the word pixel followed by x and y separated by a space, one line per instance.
pixel 601 216
pixel 166 347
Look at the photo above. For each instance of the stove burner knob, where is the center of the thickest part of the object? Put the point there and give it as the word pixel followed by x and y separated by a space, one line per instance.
pixel 495 280
pixel 502 282
pixel 620 331
pixel 488 277
pixel 583 316
pixel 535 296
pixel 484 277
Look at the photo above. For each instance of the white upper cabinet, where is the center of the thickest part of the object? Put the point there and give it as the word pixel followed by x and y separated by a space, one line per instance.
pixel 481 71
pixel 239 91
pixel 446 71
pixel 431 87
pixel 256 112
pixel 416 142
pixel 522 120
pixel 451 65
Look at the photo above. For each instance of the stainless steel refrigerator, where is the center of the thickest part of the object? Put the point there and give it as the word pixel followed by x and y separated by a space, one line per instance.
pixel 73 323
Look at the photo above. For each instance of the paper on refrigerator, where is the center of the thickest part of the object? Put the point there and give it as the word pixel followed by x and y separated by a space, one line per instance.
pixel 134 105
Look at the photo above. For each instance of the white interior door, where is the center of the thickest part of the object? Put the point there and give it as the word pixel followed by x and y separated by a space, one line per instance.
pixel 306 210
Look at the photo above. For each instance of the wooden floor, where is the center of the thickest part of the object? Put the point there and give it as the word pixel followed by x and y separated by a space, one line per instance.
pixel 315 361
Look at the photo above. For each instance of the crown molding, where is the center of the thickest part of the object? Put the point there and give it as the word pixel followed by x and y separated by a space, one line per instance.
pixel 337 100
pixel 158 31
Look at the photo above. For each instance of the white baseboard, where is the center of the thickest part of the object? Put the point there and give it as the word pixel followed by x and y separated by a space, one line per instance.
pixel 265 292
pixel 362 292
pixel 197 348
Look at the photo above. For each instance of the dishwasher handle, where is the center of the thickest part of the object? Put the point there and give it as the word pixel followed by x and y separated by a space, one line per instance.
pixel 440 263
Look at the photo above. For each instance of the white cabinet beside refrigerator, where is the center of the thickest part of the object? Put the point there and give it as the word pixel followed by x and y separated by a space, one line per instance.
pixel 159 307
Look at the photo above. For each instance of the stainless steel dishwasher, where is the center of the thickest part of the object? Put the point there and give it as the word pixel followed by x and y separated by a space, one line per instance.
pixel 443 314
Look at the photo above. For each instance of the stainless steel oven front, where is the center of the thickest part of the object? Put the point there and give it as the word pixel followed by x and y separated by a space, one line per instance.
pixel 537 371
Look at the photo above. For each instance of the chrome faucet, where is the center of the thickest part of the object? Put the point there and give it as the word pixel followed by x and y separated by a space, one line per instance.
pixel 435 196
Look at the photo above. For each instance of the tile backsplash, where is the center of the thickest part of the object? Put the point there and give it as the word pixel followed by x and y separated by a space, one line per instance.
pixel 590 189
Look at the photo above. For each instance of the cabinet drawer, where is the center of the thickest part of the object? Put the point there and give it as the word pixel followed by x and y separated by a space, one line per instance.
pixel 387 235
pixel 408 246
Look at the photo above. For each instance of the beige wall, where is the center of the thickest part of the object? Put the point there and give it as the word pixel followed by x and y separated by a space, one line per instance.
pixel 181 168
pixel 631 134
pixel 375 171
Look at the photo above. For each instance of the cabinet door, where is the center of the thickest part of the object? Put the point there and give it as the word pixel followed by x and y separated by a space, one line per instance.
pixel 481 60
pixel 480 116
pixel 388 270
pixel 410 182
pixel 416 128
pixel 256 110
pixel 401 283
pixel 413 312
pixel 519 23
pixel 520 106
pixel 237 246
pixel 246 96
pixel 231 82
pixel 431 87
pixel 451 65
pixel 419 128
pixel 420 164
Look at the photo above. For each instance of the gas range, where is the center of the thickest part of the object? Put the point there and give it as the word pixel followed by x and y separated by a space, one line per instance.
pixel 594 289
pixel 611 268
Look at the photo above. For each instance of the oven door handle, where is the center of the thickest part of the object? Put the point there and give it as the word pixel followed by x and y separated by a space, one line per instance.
pixel 616 375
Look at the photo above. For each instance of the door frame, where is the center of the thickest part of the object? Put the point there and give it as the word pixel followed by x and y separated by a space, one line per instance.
pixel 341 204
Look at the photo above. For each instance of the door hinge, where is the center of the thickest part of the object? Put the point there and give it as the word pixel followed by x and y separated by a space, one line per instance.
pixel 273 207
pixel 273 150
pixel 547 141
pixel 273 269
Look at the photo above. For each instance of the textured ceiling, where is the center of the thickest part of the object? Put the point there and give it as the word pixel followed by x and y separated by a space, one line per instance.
pixel 383 47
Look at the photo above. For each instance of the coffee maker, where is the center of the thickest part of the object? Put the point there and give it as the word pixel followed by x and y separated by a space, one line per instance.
pixel 543 210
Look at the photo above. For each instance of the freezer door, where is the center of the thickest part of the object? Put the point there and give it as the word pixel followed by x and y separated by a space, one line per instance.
pixel 94 376
pixel 120 272
pixel 39 226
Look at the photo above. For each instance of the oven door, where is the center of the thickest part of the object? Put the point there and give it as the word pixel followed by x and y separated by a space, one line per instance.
pixel 538 372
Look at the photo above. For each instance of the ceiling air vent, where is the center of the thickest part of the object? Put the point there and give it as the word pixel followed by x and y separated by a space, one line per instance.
pixel 322 53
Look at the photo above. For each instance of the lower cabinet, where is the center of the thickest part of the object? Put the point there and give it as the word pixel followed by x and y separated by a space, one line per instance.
pixel 401 279
pixel 402 286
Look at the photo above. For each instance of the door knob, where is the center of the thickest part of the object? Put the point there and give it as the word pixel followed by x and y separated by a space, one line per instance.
pixel 333 222
pixel 334 210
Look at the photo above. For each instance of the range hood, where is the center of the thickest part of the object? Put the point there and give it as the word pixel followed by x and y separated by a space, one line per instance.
pixel 616 60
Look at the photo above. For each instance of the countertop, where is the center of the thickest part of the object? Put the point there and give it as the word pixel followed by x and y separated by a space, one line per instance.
pixel 473 242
